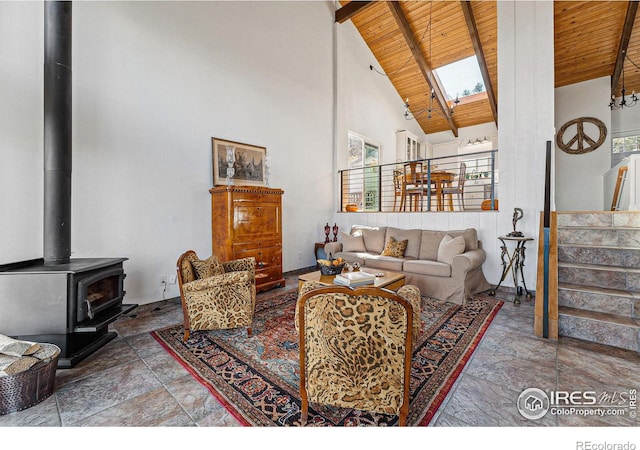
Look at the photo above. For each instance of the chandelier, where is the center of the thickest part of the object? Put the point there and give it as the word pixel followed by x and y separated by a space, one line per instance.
pixel 625 102
pixel 451 107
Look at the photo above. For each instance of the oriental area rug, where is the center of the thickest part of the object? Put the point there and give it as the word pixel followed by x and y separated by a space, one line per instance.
pixel 257 378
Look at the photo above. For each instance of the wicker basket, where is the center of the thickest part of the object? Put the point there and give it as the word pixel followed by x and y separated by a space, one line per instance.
pixel 25 389
pixel 331 270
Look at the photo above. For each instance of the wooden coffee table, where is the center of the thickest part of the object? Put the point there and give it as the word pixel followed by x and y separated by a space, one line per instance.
pixel 391 280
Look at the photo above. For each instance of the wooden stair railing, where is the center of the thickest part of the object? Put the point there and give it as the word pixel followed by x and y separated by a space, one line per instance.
pixel 547 283
pixel 622 171
pixel 546 307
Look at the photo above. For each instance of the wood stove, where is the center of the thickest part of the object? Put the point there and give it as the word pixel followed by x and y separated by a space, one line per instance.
pixel 70 305
pixel 57 299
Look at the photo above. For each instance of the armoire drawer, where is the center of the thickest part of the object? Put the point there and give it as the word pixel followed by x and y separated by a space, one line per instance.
pixel 265 257
pixel 273 273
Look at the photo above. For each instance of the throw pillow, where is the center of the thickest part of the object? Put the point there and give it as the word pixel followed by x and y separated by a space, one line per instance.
pixel 352 243
pixel 395 248
pixel 450 247
pixel 374 240
pixel 207 268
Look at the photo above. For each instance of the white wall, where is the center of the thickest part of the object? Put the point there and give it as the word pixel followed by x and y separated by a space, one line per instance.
pixel 152 83
pixel 21 130
pixel 488 130
pixel 526 115
pixel 579 177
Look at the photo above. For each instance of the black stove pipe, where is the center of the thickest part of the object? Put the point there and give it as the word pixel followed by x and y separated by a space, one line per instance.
pixel 57 132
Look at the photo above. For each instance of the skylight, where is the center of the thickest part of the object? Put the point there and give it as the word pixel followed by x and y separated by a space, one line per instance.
pixel 461 78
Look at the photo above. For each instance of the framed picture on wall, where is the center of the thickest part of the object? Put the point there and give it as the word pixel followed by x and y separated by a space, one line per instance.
pixel 248 162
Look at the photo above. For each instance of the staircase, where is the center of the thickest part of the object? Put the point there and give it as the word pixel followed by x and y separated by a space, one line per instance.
pixel 599 277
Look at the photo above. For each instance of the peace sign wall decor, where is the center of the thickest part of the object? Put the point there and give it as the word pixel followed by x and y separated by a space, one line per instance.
pixel 580 141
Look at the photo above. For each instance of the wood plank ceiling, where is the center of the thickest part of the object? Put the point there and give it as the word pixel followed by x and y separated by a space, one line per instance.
pixel 410 39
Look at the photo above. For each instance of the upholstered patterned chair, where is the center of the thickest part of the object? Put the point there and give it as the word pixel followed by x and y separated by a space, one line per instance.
pixel 216 295
pixel 355 348
pixel 408 292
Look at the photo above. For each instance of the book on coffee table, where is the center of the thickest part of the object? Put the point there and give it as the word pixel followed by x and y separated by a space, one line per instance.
pixel 354 278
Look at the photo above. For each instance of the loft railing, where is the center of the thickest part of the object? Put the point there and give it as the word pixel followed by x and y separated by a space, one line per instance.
pixel 466 182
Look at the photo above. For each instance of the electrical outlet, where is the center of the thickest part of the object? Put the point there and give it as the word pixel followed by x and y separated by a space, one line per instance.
pixel 163 279
pixel 172 278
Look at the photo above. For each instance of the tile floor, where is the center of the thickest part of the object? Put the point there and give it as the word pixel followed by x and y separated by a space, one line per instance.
pixel 132 380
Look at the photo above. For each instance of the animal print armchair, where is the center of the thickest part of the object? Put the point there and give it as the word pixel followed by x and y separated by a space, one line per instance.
pixel 408 291
pixel 216 295
pixel 355 349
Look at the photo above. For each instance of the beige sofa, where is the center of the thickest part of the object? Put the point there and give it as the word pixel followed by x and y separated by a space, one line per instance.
pixel 446 265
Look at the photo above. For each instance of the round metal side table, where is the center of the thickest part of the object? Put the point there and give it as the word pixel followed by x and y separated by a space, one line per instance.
pixel 513 261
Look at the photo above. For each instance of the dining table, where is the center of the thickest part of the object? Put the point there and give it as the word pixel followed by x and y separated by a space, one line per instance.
pixel 438 179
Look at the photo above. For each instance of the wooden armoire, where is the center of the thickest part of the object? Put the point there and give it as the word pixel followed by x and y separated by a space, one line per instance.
pixel 247 221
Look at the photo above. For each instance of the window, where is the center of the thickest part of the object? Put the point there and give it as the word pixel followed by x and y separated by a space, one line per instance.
pixel 623 146
pixel 364 185
pixel 462 79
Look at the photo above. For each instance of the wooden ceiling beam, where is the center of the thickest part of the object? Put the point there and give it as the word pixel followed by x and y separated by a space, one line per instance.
pixel 412 43
pixel 477 46
pixel 624 44
pixel 351 9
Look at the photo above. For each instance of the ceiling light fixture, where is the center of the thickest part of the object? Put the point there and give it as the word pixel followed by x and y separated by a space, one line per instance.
pixel 625 102
pixel 451 107
pixel 477 141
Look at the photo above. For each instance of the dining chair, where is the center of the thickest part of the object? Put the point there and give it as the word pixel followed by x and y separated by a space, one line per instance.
pixel 398 193
pixel 457 188
pixel 413 186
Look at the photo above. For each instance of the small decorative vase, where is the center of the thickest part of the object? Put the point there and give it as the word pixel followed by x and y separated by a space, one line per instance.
pixel 267 169
pixel 335 232
pixel 327 229
pixel 231 159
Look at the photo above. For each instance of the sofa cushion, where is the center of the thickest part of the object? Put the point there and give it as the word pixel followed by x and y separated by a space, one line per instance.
pixel 412 236
pixel 429 244
pixel 470 236
pixel 395 248
pixel 352 243
pixel 449 248
pixel 424 267
pixel 373 239
pixel 384 263
pixel 430 241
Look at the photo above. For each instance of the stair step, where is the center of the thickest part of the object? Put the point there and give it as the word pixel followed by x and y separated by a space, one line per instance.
pixel 611 277
pixel 602 328
pixel 605 255
pixel 600 219
pixel 600 236
pixel 604 300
